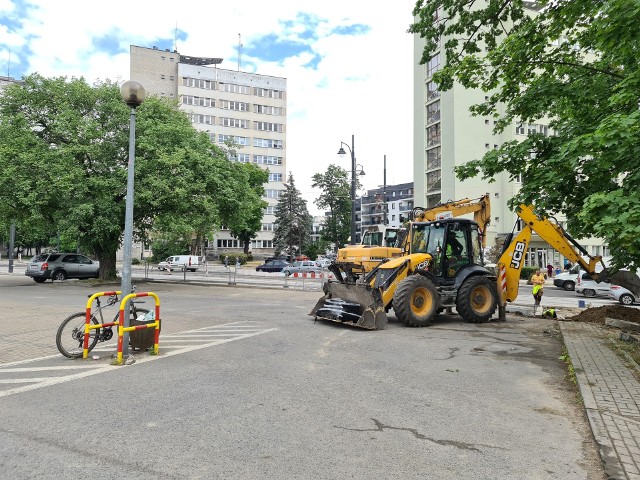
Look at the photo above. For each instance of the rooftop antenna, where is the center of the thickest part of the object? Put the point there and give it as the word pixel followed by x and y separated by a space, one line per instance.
pixel 175 38
pixel 239 50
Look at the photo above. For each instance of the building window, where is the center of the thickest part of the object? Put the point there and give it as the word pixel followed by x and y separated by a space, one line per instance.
pixel 432 91
pixel 202 119
pixel 266 227
pixel 267 160
pixel 240 157
pixel 268 93
pixel 267 143
pixel 433 135
pixel 234 139
pixel 433 180
pixel 275 177
pixel 434 158
pixel 198 101
pixel 268 127
pixel 268 109
pixel 234 122
pixel 270 210
pixel 233 88
pixel 433 112
pixel 198 83
pixel 238 106
pixel 271 193
pixel 433 65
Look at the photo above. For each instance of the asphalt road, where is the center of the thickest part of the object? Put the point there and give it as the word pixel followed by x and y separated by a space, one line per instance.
pixel 247 386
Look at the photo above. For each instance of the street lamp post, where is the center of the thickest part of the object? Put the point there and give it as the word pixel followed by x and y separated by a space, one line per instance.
pixel 133 95
pixel 352 151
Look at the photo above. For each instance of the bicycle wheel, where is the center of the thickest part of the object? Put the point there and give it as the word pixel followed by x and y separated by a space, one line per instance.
pixel 70 336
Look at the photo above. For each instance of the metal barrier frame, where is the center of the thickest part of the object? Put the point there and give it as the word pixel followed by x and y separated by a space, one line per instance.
pixel 88 326
pixel 122 328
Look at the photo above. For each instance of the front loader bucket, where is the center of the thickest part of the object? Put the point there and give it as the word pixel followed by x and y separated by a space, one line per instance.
pixel 352 304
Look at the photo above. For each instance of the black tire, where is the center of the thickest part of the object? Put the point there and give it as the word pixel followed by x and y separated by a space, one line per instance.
pixel 70 335
pixel 415 301
pixel 59 275
pixel 588 292
pixel 477 299
pixel 569 286
pixel 39 279
pixel 626 299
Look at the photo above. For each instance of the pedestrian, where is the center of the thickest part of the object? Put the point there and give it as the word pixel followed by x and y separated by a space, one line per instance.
pixel 237 263
pixel 206 266
pixel 538 285
pixel 226 261
pixel 549 270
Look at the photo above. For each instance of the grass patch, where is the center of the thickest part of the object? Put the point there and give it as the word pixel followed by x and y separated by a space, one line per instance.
pixel 571 374
pixel 629 352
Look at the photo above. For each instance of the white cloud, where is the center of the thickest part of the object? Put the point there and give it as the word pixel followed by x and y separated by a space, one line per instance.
pixel 363 84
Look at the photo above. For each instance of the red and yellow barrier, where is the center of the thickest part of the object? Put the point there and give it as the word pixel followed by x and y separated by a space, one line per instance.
pixel 88 326
pixel 122 328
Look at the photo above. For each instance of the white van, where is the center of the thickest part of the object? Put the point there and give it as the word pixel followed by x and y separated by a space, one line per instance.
pixel 567 280
pixel 180 262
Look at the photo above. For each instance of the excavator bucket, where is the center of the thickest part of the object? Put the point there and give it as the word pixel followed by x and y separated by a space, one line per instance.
pixel 357 305
pixel 628 280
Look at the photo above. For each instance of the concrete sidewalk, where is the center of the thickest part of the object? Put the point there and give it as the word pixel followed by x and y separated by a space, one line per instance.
pixel 611 396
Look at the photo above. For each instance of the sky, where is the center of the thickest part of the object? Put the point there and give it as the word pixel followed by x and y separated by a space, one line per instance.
pixel 348 65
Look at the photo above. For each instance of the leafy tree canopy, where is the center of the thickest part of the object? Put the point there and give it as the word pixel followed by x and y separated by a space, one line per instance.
pixel 64 158
pixel 574 63
pixel 336 199
pixel 294 223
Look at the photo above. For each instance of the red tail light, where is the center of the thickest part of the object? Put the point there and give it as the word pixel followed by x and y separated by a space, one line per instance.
pixel 44 266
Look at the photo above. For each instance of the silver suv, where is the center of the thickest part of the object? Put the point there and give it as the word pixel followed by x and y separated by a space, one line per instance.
pixel 60 266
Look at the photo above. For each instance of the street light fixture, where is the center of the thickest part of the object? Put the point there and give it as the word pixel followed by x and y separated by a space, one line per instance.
pixel 132 94
pixel 342 153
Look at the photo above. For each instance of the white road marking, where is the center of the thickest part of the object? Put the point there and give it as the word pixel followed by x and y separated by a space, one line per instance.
pixel 243 332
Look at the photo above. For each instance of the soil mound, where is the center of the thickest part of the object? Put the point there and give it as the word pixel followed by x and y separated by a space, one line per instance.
pixel 598 314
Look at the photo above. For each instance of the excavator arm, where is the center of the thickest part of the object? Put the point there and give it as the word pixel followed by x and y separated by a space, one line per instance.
pixel 512 259
pixel 480 207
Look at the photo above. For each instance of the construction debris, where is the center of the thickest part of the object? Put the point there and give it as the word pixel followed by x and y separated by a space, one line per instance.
pixel 599 314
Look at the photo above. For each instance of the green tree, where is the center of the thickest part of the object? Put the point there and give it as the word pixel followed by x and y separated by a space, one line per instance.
pixel 336 198
pixel 246 220
pixel 575 63
pixel 64 157
pixel 293 223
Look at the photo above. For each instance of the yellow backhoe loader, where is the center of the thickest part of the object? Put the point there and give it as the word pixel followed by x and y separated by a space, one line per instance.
pixel 443 268
pixel 356 261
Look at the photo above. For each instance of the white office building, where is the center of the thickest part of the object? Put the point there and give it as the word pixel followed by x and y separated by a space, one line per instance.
pixel 248 108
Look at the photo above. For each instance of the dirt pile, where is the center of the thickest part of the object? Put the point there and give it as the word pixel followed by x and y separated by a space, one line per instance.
pixel 598 314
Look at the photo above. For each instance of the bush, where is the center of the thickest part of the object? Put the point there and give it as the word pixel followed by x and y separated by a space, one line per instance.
pixel 135 261
pixel 527 272
pixel 233 257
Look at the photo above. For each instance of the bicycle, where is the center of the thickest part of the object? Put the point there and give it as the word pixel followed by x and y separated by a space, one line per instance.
pixel 70 335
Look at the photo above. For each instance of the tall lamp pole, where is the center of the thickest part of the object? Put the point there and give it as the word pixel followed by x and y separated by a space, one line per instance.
pixel 133 95
pixel 384 193
pixel 341 152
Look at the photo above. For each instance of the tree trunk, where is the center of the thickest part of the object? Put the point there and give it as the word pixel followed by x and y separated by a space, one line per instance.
pixel 246 247
pixel 107 266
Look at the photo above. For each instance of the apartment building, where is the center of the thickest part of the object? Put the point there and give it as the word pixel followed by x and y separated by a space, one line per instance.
pixel 376 210
pixel 446 136
pixel 247 108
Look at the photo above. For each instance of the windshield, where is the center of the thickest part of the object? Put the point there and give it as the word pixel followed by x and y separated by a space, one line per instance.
pixel 372 238
pixel 427 238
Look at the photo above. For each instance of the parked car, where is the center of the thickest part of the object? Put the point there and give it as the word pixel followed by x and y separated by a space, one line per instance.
pixel 622 295
pixel 304 266
pixel 324 262
pixel 590 288
pixel 272 266
pixel 60 266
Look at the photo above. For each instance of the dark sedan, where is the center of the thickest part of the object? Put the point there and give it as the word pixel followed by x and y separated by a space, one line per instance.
pixel 272 266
